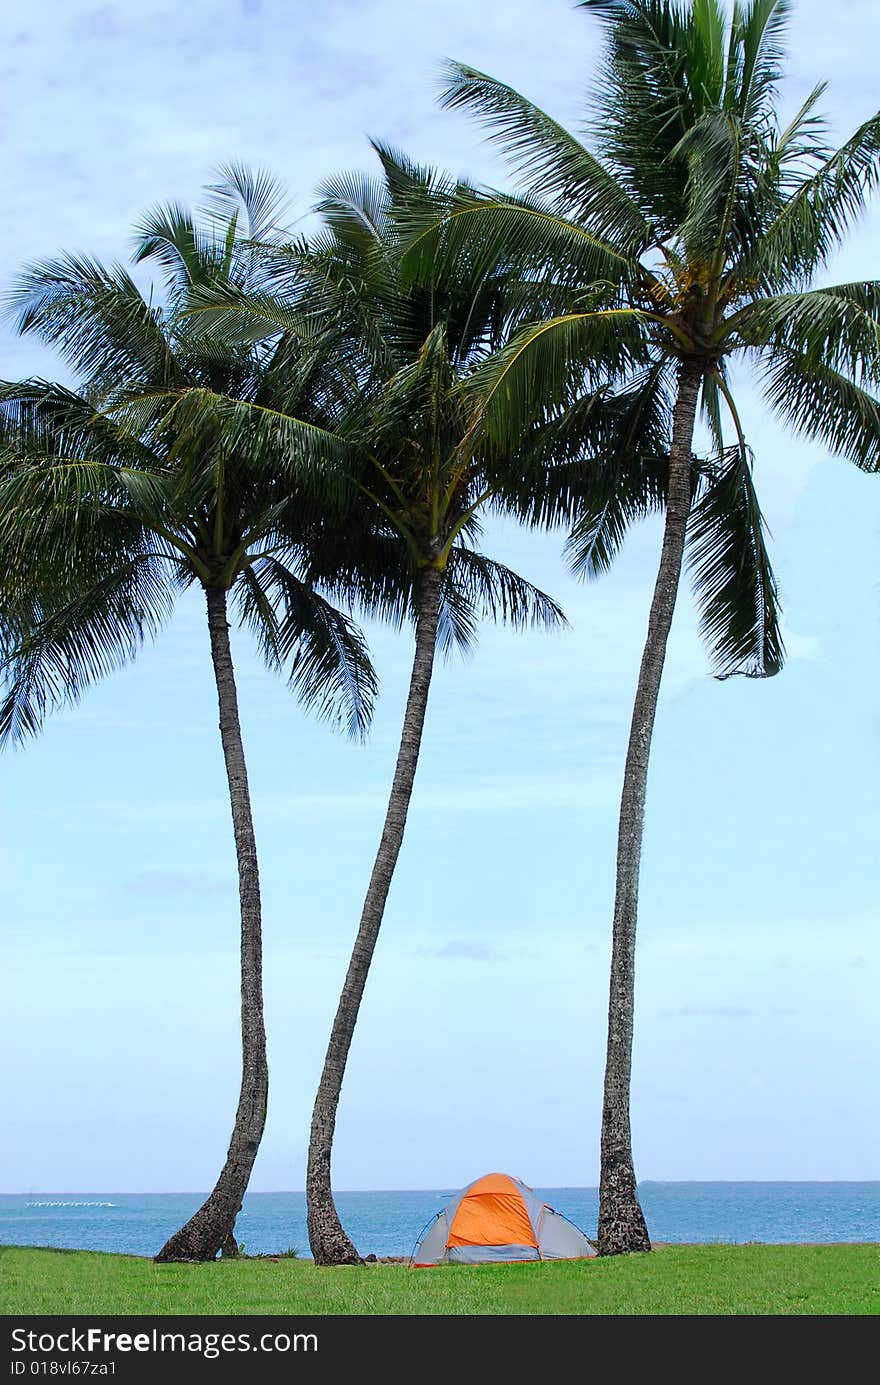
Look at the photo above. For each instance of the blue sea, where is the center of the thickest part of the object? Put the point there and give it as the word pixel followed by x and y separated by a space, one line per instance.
pixel 389 1223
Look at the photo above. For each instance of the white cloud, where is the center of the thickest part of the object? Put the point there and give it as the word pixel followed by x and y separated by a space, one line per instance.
pixel 466 949
pixel 156 884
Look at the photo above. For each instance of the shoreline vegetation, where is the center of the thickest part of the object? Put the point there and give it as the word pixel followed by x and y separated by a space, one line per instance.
pixel 753 1279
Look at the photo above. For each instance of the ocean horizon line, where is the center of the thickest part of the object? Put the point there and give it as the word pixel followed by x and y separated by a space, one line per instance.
pixel 433 1188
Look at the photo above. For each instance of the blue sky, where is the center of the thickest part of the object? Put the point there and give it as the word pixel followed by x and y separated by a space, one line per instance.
pixel 482 1037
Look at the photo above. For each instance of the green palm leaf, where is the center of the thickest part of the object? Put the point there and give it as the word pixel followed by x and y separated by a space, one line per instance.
pixel 97 319
pixel 824 405
pixel 546 364
pixel 756 54
pixel 837 327
pixel 330 668
pixel 498 592
pixel 813 220
pixel 253 197
pixel 554 163
pixel 188 255
pixel 84 639
pixel 521 234
pixel 733 579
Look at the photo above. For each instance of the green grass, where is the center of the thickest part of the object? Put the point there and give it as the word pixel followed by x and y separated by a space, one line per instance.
pixel 747 1279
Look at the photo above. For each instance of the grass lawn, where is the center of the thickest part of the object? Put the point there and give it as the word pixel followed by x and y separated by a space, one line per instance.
pixel 677 1279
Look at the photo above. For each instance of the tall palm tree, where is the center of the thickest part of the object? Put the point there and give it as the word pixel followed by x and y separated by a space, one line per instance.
pixel 404 353
pixel 176 463
pixel 684 239
pixel 426 483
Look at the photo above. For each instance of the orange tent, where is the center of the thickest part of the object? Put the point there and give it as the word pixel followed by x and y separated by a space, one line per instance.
pixel 499 1218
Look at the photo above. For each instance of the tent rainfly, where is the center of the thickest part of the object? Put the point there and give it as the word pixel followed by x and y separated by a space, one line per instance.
pixel 498 1218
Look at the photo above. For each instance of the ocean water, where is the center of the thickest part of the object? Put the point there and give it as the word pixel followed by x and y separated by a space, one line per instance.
pixel 389 1223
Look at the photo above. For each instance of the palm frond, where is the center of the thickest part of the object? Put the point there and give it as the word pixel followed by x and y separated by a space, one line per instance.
pixel 88 636
pixel 330 668
pixel 547 364
pixel 496 591
pixel 816 215
pixel 363 563
pixel 60 517
pixel 408 182
pixel 712 149
pixel 733 578
pixel 98 320
pixel 626 476
pixel 226 316
pixel 756 53
pixel 803 137
pixel 254 191
pixel 188 256
pixel 824 405
pixel 552 162
pixel 41 418
pixel 299 448
pixel 521 234
pixel 355 207
pixel 644 101
pixel 837 327
pixel 710 402
pixel 569 465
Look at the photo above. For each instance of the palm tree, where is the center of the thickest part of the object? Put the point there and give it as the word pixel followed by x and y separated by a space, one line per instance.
pixel 685 239
pixel 176 463
pixel 426 483
pixel 405 353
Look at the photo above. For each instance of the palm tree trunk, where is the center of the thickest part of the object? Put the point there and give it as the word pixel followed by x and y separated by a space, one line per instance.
pixel 211 1228
pixel 329 1242
pixel 622 1225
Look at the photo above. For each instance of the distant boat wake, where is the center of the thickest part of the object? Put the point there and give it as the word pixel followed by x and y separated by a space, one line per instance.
pixel 70 1204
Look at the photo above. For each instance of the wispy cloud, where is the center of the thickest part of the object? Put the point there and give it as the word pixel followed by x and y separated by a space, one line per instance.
pixel 723 1012
pixel 463 949
pixel 156 884
pixel 474 796
pixel 464 797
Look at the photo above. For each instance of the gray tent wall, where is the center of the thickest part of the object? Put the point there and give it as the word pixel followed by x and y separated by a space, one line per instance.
pixel 559 1239
pixel 432 1247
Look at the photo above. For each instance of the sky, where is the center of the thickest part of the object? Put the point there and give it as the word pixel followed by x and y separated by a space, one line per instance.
pixel 481 1041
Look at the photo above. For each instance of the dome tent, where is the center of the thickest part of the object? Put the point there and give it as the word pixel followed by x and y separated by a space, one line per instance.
pixel 498 1218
